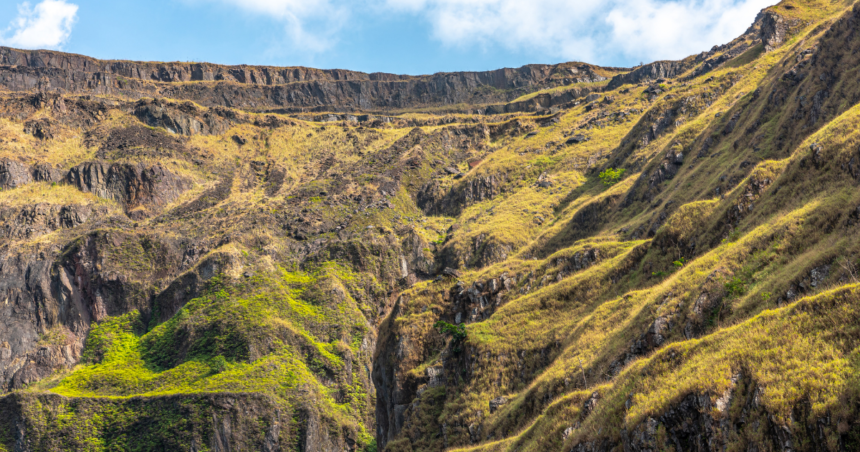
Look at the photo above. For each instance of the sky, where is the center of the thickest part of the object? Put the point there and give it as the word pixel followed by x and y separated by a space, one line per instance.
pixel 396 36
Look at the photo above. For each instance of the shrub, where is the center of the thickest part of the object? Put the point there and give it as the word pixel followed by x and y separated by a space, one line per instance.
pixel 218 364
pixel 458 332
pixel 612 176
pixel 736 287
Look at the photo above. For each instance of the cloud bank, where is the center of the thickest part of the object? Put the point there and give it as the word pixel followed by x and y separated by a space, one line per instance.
pixel 589 30
pixel 48 25
pixel 597 31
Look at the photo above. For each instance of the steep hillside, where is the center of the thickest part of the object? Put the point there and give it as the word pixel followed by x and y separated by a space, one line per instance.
pixel 572 258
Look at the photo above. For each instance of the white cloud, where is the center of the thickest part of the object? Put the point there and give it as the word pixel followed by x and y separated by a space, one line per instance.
pixel 673 30
pixel 48 25
pixel 588 30
pixel 562 27
pixel 311 25
pixel 596 31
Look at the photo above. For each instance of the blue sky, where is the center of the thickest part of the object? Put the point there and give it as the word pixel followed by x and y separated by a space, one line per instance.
pixel 398 36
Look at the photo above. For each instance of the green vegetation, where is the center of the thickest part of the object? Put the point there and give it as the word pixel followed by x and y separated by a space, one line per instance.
pixel 456 332
pixel 722 267
pixel 263 336
pixel 611 176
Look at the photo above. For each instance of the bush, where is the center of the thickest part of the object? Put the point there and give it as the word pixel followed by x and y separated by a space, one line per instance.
pixel 736 288
pixel 218 364
pixel 458 332
pixel 612 176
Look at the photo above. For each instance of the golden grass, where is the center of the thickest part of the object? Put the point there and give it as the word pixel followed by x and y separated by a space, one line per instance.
pixel 53 194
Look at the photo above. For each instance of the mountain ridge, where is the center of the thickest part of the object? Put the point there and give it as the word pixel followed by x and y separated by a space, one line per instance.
pixel 664 259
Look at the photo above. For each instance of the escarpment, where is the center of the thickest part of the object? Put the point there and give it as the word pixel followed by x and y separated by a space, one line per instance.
pixel 556 257
pixel 261 88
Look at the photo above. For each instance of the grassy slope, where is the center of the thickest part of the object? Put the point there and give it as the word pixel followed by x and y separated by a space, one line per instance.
pixel 272 335
pixel 779 242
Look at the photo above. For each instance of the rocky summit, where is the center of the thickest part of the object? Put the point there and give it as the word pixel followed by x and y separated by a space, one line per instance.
pixel 567 257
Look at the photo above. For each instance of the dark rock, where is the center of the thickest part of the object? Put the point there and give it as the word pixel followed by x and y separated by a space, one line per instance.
pixel 576 139
pixel 13 174
pixel 138 188
pixel 653 71
pixel 41 128
pixel 40 219
pixel 46 173
pixel 448 271
pixel 269 87
pixel 140 142
pixel 184 119
pixel 774 30
pixel 544 181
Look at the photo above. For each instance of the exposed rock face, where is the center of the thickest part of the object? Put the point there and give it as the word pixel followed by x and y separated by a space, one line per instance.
pixel 13 174
pixel 433 199
pixel 46 173
pixel 418 258
pixel 52 296
pixel 26 283
pixel 652 71
pixel 133 186
pixel 190 285
pixel 176 72
pixel 217 422
pixel 39 128
pixel 32 221
pixel 268 87
pixel 774 30
pixel 185 119
pixel 309 218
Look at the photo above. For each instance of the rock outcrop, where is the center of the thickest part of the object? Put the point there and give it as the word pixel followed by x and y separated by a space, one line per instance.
pixel 140 189
pixel 774 30
pixel 33 221
pixel 256 88
pixel 13 174
pixel 651 71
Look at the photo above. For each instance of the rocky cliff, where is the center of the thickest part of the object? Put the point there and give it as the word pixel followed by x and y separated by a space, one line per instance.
pixel 212 258
pixel 260 88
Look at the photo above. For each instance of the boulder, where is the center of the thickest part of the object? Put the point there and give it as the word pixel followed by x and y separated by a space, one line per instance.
pixel 13 174
pixel 577 139
pixel 497 403
pixel 448 271
pixel 773 32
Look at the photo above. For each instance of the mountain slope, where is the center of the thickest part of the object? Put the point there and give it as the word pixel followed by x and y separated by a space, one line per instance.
pixel 197 257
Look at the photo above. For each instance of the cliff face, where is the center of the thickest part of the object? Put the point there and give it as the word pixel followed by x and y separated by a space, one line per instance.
pixel 215 258
pixel 257 88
